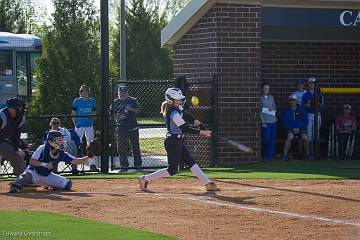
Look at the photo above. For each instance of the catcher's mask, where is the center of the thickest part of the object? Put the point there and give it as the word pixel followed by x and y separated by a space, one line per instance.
pixel 56 139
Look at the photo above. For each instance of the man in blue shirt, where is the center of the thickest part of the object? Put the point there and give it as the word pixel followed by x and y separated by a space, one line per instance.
pixel 309 105
pixel 294 119
pixel 82 109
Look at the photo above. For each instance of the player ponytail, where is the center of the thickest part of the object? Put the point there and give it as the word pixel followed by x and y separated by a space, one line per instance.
pixel 164 108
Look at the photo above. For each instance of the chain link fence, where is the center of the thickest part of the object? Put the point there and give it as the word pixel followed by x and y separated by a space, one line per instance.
pixel 131 146
pixel 148 151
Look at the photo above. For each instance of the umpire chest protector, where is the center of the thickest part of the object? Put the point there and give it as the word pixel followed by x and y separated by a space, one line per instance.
pixel 9 126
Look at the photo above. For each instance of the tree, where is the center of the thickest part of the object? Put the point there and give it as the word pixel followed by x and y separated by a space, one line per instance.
pixel 17 16
pixel 172 7
pixel 145 58
pixel 70 57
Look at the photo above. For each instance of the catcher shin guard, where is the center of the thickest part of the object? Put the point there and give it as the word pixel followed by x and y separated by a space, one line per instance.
pixel 23 180
pixel 14 189
pixel 68 185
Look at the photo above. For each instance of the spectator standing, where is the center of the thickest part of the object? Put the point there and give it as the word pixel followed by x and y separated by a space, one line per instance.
pixel 268 121
pixel 309 104
pixel 83 108
pixel 345 127
pixel 300 92
pixel 294 119
pixel 123 110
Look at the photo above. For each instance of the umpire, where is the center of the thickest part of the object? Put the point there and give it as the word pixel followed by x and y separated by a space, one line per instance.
pixel 11 120
pixel 123 110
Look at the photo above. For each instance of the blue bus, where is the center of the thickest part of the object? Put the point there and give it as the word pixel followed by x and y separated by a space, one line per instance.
pixel 18 54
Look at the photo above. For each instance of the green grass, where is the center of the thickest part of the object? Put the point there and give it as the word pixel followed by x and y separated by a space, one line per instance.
pixel 326 169
pixel 152 146
pixel 56 226
pixel 159 120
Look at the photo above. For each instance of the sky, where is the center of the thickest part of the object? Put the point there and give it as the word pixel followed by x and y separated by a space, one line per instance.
pixel 48 6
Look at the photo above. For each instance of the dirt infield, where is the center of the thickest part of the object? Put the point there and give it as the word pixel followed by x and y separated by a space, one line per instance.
pixel 244 209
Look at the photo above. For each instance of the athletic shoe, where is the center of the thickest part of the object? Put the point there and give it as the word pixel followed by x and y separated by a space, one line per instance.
pixel 284 158
pixel 143 183
pixel 211 187
pixel 75 171
pixel 14 189
pixel 93 168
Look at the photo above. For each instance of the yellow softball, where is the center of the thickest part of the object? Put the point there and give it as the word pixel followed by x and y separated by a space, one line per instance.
pixel 195 101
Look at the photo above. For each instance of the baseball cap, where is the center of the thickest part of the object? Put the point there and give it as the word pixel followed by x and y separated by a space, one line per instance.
pixel 122 89
pixel 312 79
pixel 347 106
pixel 292 97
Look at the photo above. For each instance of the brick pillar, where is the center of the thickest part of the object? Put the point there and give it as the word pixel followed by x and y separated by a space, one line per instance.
pixel 239 71
pixel 226 42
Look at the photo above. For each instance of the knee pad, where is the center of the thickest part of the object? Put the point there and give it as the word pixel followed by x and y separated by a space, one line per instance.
pixel 68 185
pixel 23 180
pixel 172 171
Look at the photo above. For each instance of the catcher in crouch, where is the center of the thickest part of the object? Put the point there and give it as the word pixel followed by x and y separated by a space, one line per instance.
pixel 39 171
pixel 174 144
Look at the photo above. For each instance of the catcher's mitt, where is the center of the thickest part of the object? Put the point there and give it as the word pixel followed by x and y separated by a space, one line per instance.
pixel 94 148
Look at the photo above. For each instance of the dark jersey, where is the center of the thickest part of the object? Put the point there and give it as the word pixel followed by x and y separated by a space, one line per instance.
pixel 176 121
pixel 10 128
pixel 119 107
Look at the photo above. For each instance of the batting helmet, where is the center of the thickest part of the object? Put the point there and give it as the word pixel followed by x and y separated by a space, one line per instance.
pixel 172 94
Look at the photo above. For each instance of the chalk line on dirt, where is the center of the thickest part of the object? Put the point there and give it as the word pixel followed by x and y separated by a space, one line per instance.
pixel 256 209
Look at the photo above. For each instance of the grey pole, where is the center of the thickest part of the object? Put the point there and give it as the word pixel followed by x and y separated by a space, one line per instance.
pixel 122 42
pixel 316 123
pixel 104 72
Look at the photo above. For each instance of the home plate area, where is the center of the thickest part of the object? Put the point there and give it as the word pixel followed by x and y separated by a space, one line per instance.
pixel 244 209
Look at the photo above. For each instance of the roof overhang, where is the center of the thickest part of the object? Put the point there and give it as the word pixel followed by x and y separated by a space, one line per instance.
pixel 196 9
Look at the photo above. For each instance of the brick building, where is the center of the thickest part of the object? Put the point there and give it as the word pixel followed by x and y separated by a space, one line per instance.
pixel 244 43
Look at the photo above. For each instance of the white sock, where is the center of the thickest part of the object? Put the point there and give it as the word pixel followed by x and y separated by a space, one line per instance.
pixel 199 174
pixel 158 174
